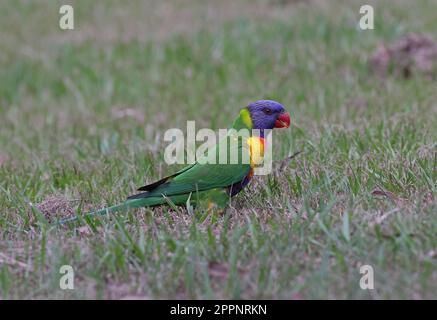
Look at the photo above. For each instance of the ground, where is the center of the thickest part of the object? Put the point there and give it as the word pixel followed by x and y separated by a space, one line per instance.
pixel 82 117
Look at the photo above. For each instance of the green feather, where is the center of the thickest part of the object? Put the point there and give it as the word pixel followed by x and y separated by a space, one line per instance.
pixel 243 121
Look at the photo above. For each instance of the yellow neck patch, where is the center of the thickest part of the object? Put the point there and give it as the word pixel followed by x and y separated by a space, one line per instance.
pixel 256 150
pixel 245 116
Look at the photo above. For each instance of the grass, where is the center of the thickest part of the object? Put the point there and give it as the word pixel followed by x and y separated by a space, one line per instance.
pixel 362 192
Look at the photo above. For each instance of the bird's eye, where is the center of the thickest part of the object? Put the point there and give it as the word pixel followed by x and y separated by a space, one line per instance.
pixel 267 111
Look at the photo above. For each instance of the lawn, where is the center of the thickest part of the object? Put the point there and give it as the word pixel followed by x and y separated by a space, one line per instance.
pixel 82 119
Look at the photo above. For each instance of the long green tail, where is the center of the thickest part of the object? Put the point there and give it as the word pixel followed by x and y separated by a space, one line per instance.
pixel 128 204
pixel 218 196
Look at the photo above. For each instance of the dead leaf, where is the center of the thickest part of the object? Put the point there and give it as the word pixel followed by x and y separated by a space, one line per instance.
pixel 390 195
pixel 218 270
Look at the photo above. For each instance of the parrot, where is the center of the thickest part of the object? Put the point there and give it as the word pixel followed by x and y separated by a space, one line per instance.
pixel 211 184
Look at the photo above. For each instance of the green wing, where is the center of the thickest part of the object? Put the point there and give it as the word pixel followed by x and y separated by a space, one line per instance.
pixel 204 175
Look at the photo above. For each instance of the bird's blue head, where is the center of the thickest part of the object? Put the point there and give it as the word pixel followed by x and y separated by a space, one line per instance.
pixel 268 114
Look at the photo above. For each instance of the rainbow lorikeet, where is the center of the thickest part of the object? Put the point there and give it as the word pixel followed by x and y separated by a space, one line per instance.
pixel 211 183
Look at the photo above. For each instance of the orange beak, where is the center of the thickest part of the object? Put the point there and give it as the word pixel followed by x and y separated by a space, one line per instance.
pixel 283 121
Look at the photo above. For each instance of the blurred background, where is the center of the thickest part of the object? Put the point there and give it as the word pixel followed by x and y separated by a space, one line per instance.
pixel 155 62
pixel 82 116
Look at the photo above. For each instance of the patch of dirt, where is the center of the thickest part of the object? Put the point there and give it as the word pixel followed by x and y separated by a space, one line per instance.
pixel 409 55
pixel 56 207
